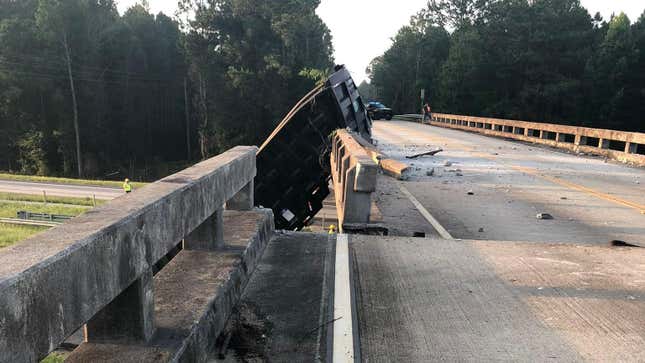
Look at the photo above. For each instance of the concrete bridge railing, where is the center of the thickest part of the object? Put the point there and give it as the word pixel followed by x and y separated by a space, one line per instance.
pixel 354 179
pixel 96 271
pixel 619 145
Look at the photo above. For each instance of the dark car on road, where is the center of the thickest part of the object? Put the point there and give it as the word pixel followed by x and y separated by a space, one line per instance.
pixel 377 111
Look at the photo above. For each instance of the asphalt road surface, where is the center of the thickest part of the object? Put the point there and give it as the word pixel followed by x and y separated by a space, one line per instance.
pixel 486 188
pixel 60 190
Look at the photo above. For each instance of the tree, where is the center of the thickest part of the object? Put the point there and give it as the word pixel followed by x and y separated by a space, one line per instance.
pixel 411 64
pixel 613 90
pixel 250 61
pixel 55 19
pixel 119 80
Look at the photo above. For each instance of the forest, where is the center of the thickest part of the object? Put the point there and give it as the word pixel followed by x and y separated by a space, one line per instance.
pixel 535 60
pixel 88 92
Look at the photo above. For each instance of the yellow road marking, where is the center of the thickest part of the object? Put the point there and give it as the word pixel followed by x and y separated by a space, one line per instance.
pixel 595 193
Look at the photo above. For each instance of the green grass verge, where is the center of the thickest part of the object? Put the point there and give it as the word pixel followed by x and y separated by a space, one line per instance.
pixel 10 233
pixel 50 199
pixel 54 358
pixel 50 179
pixel 8 209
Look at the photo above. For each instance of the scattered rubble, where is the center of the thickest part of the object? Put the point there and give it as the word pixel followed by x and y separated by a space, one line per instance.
pixel 544 216
pixel 429 153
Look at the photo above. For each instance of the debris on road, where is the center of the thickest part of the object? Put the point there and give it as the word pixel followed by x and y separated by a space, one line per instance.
pixel 429 153
pixel 564 198
pixel 481 229
pixel 617 243
pixel 544 216
pixel 470 192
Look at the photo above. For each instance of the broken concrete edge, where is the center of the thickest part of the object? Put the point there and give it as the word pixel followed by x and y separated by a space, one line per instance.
pixel 53 283
pixel 391 167
pixel 395 168
pixel 571 138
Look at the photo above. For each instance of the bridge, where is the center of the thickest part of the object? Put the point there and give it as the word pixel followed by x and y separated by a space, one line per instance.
pixel 509 244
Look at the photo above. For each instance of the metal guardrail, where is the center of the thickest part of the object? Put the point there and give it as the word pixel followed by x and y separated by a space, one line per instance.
pixel 97 268
pixel 26 222
pixel 54 218
pixel 623 146
pixel 354 176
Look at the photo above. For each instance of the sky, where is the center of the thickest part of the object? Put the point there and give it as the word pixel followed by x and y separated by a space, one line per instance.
pixel 362 29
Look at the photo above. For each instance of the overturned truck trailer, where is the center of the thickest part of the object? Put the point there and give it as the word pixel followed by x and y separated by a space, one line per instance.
pixel 293 163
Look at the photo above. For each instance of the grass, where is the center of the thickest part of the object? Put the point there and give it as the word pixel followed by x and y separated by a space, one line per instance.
pixel 50 199
pixel 50 179
pixel 54 358
pixel 12 203
pixel 10 234
pixel 8 209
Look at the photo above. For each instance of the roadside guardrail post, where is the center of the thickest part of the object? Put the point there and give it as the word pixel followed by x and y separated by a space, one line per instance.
pixel 619 145
pixel 129 316
pixel 354 176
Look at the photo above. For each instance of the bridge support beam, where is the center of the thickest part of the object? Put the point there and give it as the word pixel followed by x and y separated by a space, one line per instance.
pixel 209 235
pixel 129 317
pixel 243 200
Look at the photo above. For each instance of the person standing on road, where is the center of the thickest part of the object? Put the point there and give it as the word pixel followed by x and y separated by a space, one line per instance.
pixel 427 112
pixel 127 187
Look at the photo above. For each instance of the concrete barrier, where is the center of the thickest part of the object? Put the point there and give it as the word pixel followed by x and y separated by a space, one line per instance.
pixel 628 147
pixel 354 177
pixel 96 270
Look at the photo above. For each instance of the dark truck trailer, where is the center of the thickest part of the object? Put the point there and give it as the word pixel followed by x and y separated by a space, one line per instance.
pixel 293 163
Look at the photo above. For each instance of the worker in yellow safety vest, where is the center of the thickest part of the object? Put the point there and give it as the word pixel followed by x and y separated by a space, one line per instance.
pixel 127 187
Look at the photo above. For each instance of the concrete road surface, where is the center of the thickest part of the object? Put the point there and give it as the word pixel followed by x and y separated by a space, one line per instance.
pixel 429 300
pixel 591 201
pixel 61 190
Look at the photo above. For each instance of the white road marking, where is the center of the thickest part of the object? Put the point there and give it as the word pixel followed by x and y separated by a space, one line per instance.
pixel 424 212
pixel 343 346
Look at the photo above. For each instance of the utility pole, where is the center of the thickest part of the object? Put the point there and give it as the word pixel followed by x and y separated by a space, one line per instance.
pixel 187 111
pixel 74 105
